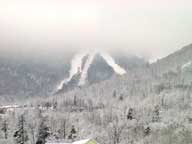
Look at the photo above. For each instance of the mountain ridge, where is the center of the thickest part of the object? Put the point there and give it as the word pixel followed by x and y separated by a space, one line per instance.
pixel 81 72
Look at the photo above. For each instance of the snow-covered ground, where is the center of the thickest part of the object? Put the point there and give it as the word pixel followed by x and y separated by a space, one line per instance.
pixel 9 106
pixel 76 142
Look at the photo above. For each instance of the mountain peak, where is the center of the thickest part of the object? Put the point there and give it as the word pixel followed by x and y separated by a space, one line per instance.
pixel 81 64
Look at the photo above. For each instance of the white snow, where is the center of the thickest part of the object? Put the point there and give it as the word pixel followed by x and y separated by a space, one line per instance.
pixel 77 142
pixel 86 68
pixel 9 106
pixel 56 143
pixel 111 62
pixel 186 65
pixel 81 141
pixel 76 65
pixel 151 61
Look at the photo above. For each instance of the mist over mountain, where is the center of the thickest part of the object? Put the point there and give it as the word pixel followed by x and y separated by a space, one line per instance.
pixel 22 77
pixel 28 78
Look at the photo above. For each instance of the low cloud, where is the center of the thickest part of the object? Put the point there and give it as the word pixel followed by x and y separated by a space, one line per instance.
pixel 146 28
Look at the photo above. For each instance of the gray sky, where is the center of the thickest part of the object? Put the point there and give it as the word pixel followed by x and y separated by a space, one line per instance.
pixel 149 28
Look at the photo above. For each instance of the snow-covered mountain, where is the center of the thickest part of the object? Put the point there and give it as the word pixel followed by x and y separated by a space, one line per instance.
pixel 32 77
pixel 90 67
pixel 27 78
pixel 177 63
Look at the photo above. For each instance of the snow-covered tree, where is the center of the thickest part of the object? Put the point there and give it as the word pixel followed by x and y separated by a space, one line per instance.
pixel 4 128
pixel 73 133
pixel 20 135
pixel 43 132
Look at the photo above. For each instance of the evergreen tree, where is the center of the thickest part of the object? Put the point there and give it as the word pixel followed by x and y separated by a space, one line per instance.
pixel 121 98
pixel 147 131
pixel 73 133
pixel 156 113
pixel 5 128
pixel 75 100
pixel 20 134
pixel 43 132
pixel 63 130
pixel 55 105
pixel 130 114
pixel 47 105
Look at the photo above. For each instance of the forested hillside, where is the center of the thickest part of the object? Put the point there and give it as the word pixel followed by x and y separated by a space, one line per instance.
pixel 142 107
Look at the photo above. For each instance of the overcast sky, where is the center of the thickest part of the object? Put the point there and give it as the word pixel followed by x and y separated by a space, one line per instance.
pixel 149 28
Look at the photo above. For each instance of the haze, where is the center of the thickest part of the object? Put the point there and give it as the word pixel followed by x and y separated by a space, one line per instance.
pixel 148 28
